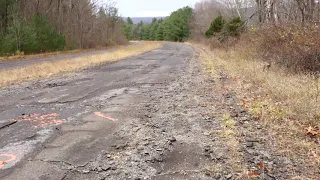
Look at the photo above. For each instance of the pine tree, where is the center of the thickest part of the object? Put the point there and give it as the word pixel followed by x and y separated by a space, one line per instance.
pixel 129 21
pixel 146 32
pixel 154 26
pixel 234 27
pixel 216 26
pixel 20 37
pixel 128 29
pixel 159 34
pixel 177 25
pixel 47 36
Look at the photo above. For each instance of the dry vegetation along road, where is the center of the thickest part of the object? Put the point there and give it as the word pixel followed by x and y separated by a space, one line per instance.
pixel 19 63
pixel 152 116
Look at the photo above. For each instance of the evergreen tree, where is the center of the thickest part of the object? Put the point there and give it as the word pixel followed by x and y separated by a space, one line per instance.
pixel 177 25
pixel 159 34
pixel 129 21
pixel 47 36
pixel 128 31
pixel 20 37
pixel 216 26
pixel 234 27
pixel 153 28
pixel 146 32
pixel 174 28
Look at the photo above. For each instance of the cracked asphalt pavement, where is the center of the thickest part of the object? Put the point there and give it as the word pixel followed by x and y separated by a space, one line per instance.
pixel 155 116
pixel 132 119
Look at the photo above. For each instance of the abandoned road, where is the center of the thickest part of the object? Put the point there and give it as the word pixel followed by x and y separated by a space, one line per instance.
pixel 155 116
pixel 129 119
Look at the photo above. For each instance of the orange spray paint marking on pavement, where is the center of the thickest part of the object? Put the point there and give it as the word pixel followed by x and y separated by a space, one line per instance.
pixel 41 120
pixel 104 116
pixel 9 158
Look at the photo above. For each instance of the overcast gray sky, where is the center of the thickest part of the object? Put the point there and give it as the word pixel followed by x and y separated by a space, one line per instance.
pixel 151 8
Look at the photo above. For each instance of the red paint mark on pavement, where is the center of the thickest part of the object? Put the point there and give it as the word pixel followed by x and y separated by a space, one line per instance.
pixel 8 158
pixel 41 120
pixel 100 114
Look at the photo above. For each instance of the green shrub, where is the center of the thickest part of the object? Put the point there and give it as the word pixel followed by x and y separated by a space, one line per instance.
pixel 216 26
pixel 19 37
pixel 34 37
pixel 234 27
pixel 160 33
pixel 47 36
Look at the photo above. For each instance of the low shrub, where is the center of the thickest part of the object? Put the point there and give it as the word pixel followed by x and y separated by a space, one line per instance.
pixel 293 47
pixel 216 26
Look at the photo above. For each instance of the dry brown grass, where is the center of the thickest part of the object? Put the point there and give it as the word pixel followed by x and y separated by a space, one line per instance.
pixel 285 103
pixel 47 69
pixel 39 55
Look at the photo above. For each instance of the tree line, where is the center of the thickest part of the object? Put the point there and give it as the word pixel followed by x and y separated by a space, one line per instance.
pixel 176 27
pixel 33 26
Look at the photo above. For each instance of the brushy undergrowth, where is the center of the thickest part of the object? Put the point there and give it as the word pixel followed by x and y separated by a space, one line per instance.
pixel 292 47
pixel 286 103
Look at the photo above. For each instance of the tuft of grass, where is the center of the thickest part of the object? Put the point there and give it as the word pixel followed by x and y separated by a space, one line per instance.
pixel 228 126
pixel 48 69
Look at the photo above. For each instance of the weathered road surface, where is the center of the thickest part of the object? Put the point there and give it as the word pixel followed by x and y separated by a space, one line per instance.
pixel 19 63
pixel 155 116
pixel 136 118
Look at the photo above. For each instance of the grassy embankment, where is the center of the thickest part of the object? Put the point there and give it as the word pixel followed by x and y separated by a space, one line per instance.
pixel 22 57
pixel 287 104
pixel 48 69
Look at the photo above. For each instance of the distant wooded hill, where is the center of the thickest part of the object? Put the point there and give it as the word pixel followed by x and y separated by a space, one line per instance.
pixel 136 20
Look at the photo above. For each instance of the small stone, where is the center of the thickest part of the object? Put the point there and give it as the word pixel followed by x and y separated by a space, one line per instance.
pixel 207 148
pixel 250 144
pixel 229 176
pixel 106 168
pixel 86 171
pixel 121 146
pixel 111 163
pixel 207 173
pixel 212 157
pixel 99 169
pixel 140 148
pixel 172 139
pixel 252 140
pixel 234 115
pixel 114 168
